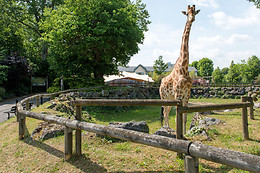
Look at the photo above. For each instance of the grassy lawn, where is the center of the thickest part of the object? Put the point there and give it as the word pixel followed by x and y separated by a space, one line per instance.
pixel 103 155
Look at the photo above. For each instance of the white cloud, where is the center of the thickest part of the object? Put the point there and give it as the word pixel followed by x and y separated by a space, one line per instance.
pixel 219 40
pixel 168 56
pixel 206 3
pixel 162 35
pixel 250 18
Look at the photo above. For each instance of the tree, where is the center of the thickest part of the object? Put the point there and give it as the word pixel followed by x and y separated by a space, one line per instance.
pixel 224 70
pixel 159 66
pixel 205 67
pixel 217 75
pixel 3 73
pixel 91 38
pixel 252 68
pixel 256 2
pixel 233 75
pixel 195 64
pixel 25 17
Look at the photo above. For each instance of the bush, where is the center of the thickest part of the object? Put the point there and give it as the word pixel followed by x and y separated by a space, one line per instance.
pixel 200 97
pixel 53 89
pixel 2 92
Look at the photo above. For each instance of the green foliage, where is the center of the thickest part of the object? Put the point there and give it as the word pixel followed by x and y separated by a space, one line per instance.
pixel 91 38
pixel 159 66
pixel 256 2
pixel 195 131
pixel 53 89
pixel 3 73
pixel 252 68
pixel 2 93
pixel 205 67
pixel 245 72
pixel 195 64
pixel 217 75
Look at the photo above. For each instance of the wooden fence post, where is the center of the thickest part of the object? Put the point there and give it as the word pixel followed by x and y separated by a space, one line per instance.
pixel 245 119
pixel 179 126
pixel 184 123
pixel 251 108
pixel 16 111
pixel 68 143
pixel 41 100
pixel 191 164
pixel 21 126
pixel 37 101
pixel 78 132
pixel 27 104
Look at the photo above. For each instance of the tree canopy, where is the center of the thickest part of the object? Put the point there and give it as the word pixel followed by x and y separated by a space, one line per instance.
pixel 244 72
pixel 205 67
pixel 91 38
pixel 256 2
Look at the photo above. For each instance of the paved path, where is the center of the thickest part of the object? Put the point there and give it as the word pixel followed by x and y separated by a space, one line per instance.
pixel 6 106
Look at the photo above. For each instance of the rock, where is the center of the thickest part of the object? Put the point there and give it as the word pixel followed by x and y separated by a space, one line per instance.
pixel 53 104
pixel 140 126
pixel 234 92
pixel 46 130
pixel 256 105
pixel 228 110
pixel 208 121
pixel 164 131
pixel 105 93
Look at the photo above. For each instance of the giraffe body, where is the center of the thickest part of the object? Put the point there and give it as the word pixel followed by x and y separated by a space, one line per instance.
pixel 178 83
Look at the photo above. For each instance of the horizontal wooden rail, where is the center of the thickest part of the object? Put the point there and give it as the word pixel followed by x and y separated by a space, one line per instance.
pixel 204 108
pixel 126 102
pixel 235 159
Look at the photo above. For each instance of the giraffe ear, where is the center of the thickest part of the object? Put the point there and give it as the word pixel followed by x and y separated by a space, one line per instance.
pixel 184 12
pixel 196 12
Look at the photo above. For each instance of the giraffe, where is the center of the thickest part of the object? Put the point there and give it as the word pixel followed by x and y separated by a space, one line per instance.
pixel 178 83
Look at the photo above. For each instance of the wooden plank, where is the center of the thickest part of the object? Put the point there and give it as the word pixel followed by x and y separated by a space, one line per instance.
pixel 22 126
pixel 68 143
pixel 126 102
pixel 78 131
pixel 245 120
pixel 37 101
pixel 231 158
pixel 251 108
pixel 191 164
pixel 204 108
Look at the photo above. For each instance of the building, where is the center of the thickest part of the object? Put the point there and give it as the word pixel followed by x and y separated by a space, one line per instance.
pixel 145 70
pixel 126 78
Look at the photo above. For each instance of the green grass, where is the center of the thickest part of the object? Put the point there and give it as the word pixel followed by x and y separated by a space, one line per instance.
pixel 103 155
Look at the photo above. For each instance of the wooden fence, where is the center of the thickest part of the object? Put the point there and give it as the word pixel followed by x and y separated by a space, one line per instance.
pixel 192 151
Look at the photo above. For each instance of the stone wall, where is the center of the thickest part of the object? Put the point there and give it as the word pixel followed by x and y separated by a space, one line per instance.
pixel 223 92
pixel 153 93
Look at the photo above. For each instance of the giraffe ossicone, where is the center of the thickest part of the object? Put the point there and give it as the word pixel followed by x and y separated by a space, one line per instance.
pixel 178 83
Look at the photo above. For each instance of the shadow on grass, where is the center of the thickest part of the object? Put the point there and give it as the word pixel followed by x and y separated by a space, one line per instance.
pixel 207 168
pixel 81 162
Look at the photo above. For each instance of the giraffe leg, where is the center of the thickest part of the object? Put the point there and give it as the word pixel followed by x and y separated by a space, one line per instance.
pixel 166 112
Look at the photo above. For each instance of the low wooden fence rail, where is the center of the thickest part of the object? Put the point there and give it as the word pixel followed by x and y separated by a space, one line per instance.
pixel 192 151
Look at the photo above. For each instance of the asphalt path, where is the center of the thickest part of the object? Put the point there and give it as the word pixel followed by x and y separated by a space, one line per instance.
pixel 6 106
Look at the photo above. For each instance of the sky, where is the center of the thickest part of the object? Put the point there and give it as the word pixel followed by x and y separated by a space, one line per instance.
pixel 224 30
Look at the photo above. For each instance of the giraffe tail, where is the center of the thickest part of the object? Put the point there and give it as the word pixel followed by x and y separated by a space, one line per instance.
pixel 162 116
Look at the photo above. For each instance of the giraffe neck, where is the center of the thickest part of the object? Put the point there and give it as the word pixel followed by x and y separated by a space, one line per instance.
pixel 183 61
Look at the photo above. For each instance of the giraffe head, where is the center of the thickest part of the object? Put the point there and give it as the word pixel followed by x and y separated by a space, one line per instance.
pixel 191 12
